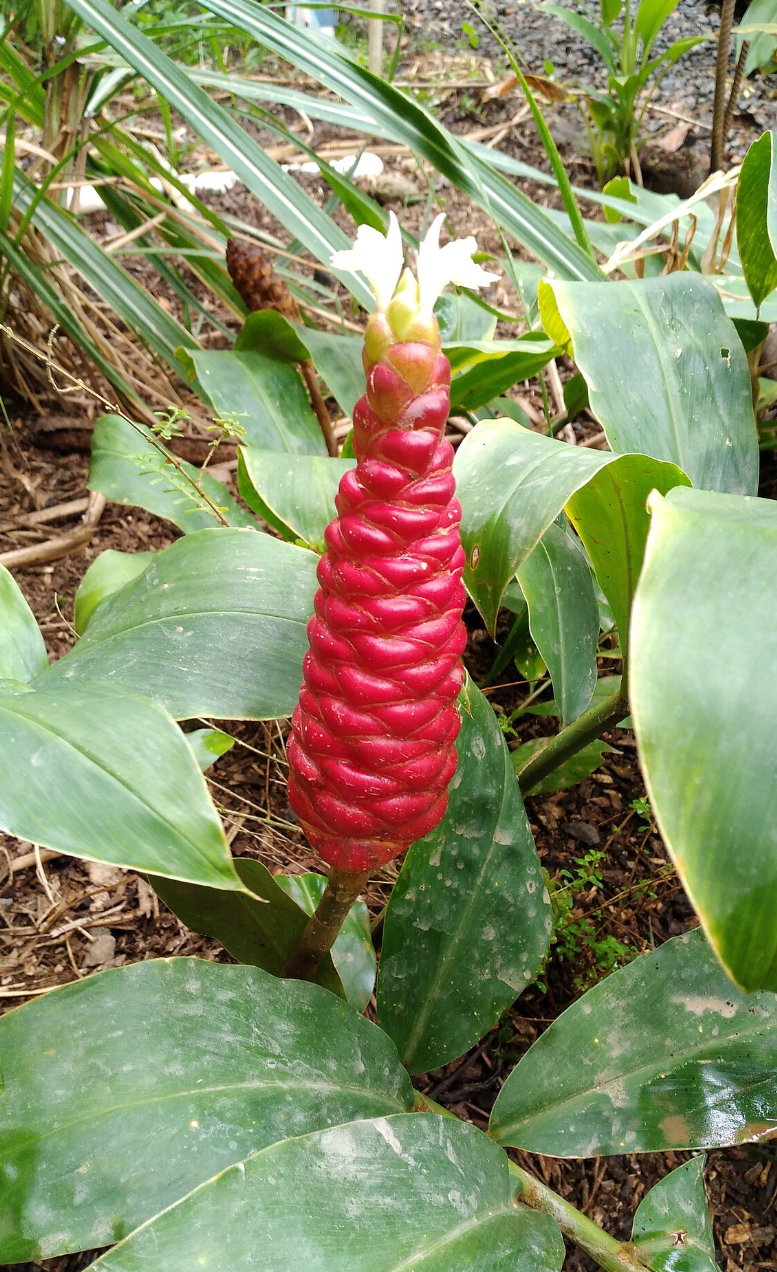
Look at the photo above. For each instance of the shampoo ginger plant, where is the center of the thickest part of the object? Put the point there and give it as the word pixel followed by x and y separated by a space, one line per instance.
pixel 372 747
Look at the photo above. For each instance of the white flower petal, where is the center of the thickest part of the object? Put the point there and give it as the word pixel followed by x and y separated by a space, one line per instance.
pixel 378 257
pixel 453 263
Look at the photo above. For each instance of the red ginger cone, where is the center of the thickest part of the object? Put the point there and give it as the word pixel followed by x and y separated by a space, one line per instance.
pixel 372 748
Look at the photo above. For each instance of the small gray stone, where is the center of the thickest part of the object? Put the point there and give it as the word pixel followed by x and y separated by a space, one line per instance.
pixel 584 832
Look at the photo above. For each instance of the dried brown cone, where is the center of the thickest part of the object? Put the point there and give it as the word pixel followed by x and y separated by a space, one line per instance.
pixel 256 281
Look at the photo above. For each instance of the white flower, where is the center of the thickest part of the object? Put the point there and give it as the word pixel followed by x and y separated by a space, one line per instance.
pixel 439 266
pixel 378 257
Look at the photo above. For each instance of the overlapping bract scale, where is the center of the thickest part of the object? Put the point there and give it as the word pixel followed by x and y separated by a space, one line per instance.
pixel 372 749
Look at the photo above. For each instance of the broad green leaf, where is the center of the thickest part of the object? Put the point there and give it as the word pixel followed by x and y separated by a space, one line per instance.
pixel 672 1228
pixel 400 118
pixel 704 715
pixel 353 953
pixel 265 178
pixel 107 574
pixel 685 396
pixel 338 359
pixel 128 468
pixel 22 647
pixel 759 17
pixel 208 746
pixel 266 398
pixel 579 766
pixel 413 1190
pixel 596 38
pixel 215 626
pixel 262 933
pixel 295 494
pixel 462 319
pixel 664 1054
pixel 126 1090
pixel 484 370
pixel 94 773
pixel 469 917
pixel 757 217
pixel 563 616
pixel 513 483
pixel 650 17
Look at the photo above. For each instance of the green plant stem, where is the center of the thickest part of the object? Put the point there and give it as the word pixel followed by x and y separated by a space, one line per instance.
pixel 587 728
pixel 612 1255
pixel 721 71
pixel 342 889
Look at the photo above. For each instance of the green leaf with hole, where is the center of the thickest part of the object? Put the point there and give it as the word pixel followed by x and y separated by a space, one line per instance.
pixel 685 395
pixel 468 921
pixel 664 1054
pixel 126 1090
pixel 265 397
pixel 215 626
pixel 757 217
pixel 261 930
pixel 353 953
pixel 22 647
pixel 91 772
pixel 513 483
pixel 414 1190
pixel 295 494
pixel 128 468
pixel 672 1228
pixel 704 715
pixel 107 574
pixel 558 586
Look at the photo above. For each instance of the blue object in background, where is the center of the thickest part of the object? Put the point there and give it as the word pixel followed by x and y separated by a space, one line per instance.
pixel 323 20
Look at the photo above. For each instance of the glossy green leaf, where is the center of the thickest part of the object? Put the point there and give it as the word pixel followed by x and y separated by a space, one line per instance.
pixel 266 398
pixel 704 715
pixel 579 766
pixel 128 468
pixel 261 933
pixel 93 773
pixel 295 494
pixel 685 394
pixel 469 917
pixel 664 1054
pixel 757 217
pixel 208 746
pixel 650 17
pixel 400 118
pixel 215 626
pixel 563 616
pixel 672 1228
pixel 484 370
pixel 107 574
pixel 413 1190
pixel 22 647
pixel 513 483
pixel 265 178
pixel 462 319
pixel 126 1090
pixel 338 359
pixel 353 953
